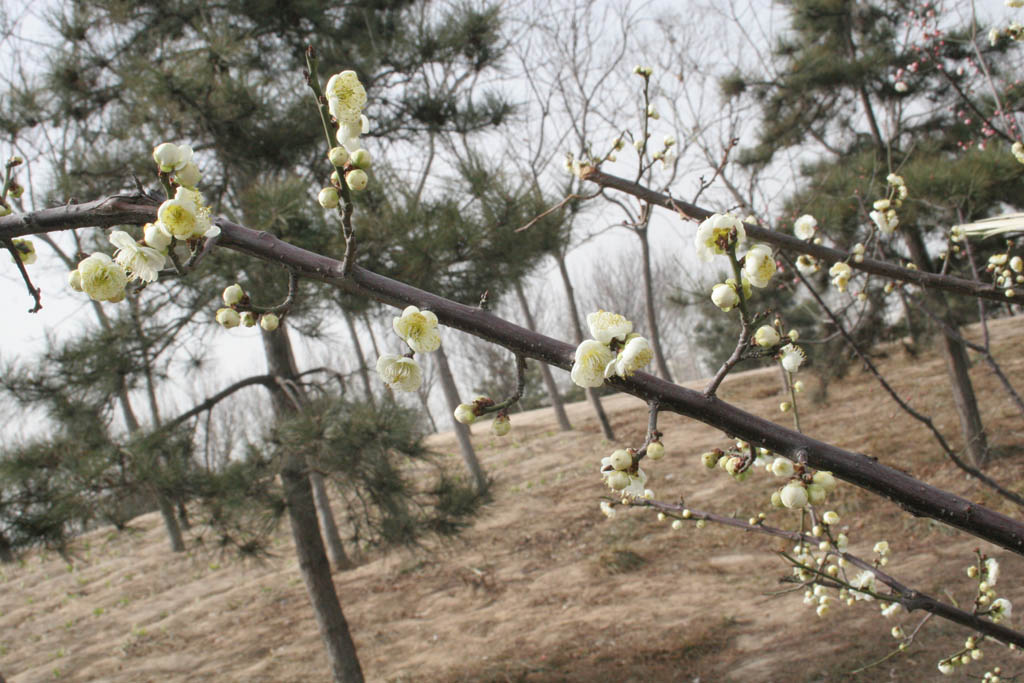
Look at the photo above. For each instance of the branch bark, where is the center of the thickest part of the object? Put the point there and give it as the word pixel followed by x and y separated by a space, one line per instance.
pixel 915 496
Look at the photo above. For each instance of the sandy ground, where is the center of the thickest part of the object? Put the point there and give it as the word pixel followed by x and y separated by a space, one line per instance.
pixel 543 587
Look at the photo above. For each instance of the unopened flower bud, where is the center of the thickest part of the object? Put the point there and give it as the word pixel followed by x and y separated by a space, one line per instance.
pixel 655 450
pixel 269 322
pixel 337 156
pixel 248 319
pixel 328 198
pixel 75 280
pixel 228 318
pixel 621 460
pixel 465 414
pixel 356 179
pixel 816 494
pixel 618 480
pixel 501 425
pixel 794 495
pixel 710 459
pixel 361 159
pixel 233 294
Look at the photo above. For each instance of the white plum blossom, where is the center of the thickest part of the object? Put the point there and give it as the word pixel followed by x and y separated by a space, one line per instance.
pixel 348 133
pixel 186 217
pixel 840 273
pixel 1018 151
pixel 101 278
pixel 759 265
pixel 792 357
pixel 991 571
pixel 635 355
pixel 805 226
pixel 865 580
pixel 887 221
pixel 400 372
pixel 716 233
pixel 418 329
pixel 782 467
pixel 605 326
pixel 1001 609
pixel 346 97
pixel 140 262
pixel 592 358
pixel 806 264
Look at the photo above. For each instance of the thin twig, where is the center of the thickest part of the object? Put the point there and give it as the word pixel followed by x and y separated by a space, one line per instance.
pixel 35 292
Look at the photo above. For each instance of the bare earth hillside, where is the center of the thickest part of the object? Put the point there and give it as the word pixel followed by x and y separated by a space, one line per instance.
pixel 543 587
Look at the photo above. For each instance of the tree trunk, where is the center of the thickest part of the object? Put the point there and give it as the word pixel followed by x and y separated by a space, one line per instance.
pixel 425 404
pixel 278 347
pixel 364 372
pixel 316 572
pixel 332 539
pixel 957 363
pixel 302 515
pixel 451 394
pixel 373 337
pixel 574 315
pixel 545 370
pixel 170 523
pixel 652 316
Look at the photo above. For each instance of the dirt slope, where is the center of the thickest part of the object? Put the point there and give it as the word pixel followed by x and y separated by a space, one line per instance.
pixel 543 587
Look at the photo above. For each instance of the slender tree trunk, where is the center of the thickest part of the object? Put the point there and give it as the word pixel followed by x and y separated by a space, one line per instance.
pixel 574 315
pixel 316 572
pixel 309 545
pixel 652 317
pixel 6 554
pixel 332 539
pixel 373 337
pixel 164 504
pixel 278 345
pixel 170 523
pixel 451 394
pixel 545 370
pixel 957 362
pixel 426 409
pixel 364 372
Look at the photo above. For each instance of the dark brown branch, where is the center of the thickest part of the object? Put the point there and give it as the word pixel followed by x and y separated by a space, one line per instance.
pixel 827 254
pixel 913 495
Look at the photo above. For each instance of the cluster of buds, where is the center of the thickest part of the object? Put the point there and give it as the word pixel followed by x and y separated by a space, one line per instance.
pixel 621 472
pixel 11 188
pixel 346 98
pixel 238 310
pixel 884 213
pixel 803 488
pixel 1006 271
pixel 467 413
